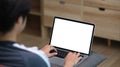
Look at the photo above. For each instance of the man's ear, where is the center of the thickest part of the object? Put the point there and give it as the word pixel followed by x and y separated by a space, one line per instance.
pixel 21 23
pixel 20 20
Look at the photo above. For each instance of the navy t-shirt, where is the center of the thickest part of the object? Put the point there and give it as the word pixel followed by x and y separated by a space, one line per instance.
pixel 15 57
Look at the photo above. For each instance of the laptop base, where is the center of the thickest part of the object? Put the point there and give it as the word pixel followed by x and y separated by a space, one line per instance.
pixel 60 61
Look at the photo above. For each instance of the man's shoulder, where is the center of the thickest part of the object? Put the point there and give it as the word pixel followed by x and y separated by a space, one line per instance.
pixel 21 56
pixel 32 59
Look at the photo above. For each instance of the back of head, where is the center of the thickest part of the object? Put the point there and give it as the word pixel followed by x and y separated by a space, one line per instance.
pixel 10 10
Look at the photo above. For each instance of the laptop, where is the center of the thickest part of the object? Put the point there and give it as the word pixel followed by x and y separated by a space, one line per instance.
pixel 71 36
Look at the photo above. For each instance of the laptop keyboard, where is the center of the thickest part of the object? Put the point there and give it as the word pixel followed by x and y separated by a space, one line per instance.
pixel 61 53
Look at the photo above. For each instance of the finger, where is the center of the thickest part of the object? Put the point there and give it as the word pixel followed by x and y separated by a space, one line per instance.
pixel 72 53
pixel 53 48
pixel 79 58
pixel 69 54
pixel 75 54
pixel 78 54
pixel 53 54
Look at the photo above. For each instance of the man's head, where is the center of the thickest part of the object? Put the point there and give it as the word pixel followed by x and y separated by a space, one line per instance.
pixel 12 12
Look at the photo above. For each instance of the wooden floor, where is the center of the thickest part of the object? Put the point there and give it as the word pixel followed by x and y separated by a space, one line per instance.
pixel 99 45
pixel 112 53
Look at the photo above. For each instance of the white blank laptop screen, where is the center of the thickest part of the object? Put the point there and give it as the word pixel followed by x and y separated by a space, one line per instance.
pixel 72 35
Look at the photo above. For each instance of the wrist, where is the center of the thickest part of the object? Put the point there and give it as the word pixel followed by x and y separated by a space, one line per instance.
pixel 43 52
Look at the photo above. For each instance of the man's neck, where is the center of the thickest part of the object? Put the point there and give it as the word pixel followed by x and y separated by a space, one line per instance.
pixel 11 36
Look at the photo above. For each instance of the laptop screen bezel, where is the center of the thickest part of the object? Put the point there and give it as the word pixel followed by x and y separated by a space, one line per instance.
pixel 92 36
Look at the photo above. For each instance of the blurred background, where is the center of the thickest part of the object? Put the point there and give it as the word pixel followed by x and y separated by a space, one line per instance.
pixel 105 14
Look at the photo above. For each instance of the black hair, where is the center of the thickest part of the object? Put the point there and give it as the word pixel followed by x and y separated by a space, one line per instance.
pixel 10 10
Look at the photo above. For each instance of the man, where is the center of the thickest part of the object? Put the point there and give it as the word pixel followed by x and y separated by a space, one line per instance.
pixel 13 15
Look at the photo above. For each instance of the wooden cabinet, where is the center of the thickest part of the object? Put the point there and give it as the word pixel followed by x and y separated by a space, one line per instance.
pixel 33 25
pixel 105 14
pixel 63 8
pixel 107 22
pixel 107 4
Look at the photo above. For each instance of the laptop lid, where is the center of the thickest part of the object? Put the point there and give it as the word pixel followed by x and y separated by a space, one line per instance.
pixel 72 35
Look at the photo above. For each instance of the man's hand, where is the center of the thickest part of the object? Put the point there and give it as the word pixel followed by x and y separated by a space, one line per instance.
pixel 47 48
pixel 71 59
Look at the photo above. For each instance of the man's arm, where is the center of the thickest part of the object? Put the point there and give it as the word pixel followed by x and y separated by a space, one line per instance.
pixel 70 60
